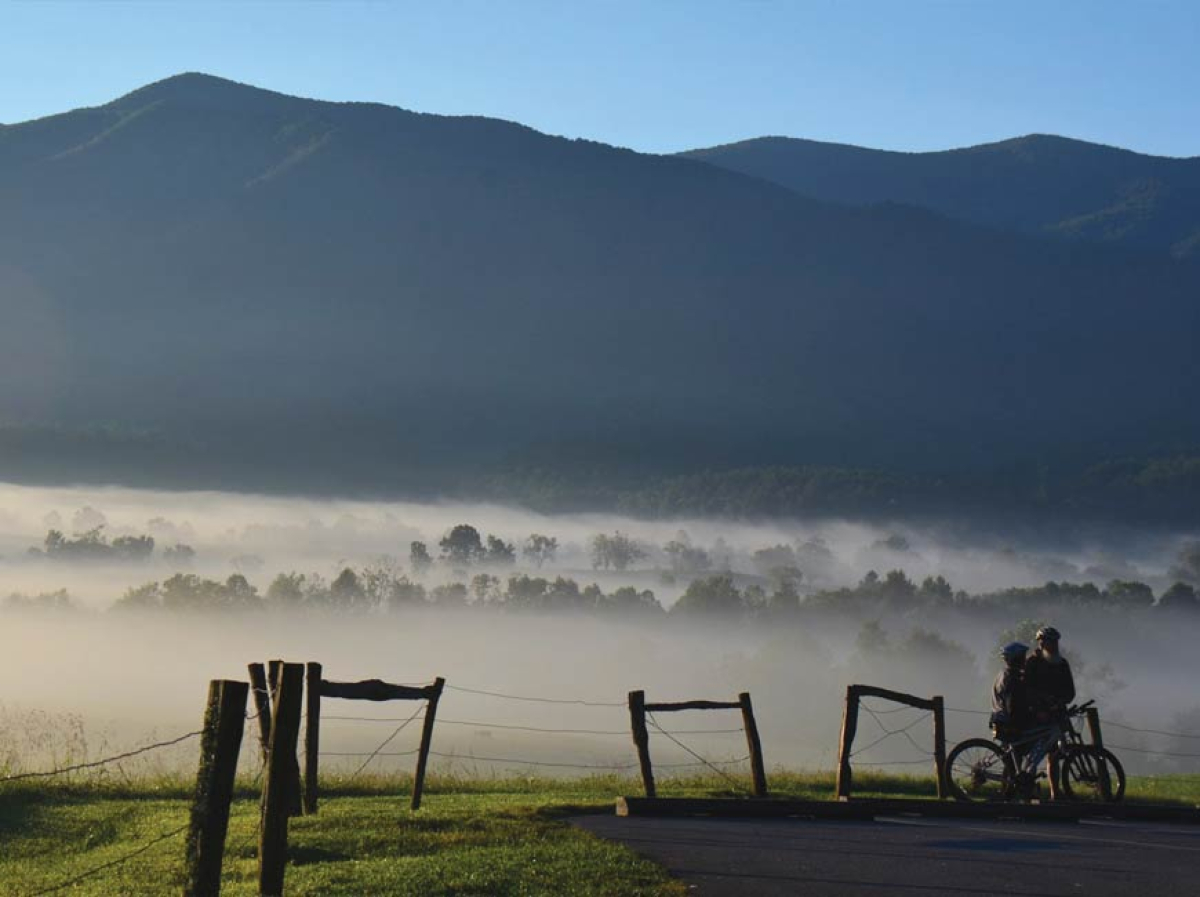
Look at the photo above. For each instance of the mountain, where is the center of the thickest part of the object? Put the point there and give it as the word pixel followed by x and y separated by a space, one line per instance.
pixel 334 295
pixel 1039 185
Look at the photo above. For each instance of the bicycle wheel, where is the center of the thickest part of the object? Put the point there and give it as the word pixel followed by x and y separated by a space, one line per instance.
pixel 1089 773
pixel 978 770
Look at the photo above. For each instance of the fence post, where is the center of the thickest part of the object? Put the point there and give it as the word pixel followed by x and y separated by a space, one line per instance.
pixel 279 788
pixel 224 720
pixel 262 705
pixel 755 744
pixel 849 729
pixel 1093 722
pixel 939 746
pixel 312 735
pixel 426 739
pixel 641 738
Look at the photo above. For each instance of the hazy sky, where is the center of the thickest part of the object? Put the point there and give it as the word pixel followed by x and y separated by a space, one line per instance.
pixel 660 75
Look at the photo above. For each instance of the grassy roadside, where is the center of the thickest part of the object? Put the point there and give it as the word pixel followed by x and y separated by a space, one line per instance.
pixel 474 836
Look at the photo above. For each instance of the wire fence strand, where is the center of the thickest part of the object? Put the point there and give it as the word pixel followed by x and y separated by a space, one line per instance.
pixel 703 760
pixel 63 885
pixel 540 700
pixel 63 770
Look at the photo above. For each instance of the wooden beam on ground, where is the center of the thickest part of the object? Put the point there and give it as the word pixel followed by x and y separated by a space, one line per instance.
pixel 932 809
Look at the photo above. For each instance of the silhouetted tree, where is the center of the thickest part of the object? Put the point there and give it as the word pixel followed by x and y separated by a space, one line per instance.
pixel 540 549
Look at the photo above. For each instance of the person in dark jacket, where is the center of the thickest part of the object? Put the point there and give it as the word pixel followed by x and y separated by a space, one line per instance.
pixel 1048 675
pixel 1050 687
pixel 1010 700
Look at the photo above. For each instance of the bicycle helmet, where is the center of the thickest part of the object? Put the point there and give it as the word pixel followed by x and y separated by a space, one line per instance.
pixel 1048 634
pixel 1014 651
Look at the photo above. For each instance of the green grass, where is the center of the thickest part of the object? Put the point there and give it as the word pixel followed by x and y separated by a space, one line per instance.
pixel 473 836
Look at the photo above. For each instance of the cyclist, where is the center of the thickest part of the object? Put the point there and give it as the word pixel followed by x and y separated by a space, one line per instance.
pixel 1051 688
pixel 1048 675
pixel 1010 700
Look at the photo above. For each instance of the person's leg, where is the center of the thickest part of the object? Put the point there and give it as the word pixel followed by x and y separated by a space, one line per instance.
pixel 1052 772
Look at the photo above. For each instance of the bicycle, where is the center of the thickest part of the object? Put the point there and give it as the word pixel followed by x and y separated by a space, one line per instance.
pixel 981 770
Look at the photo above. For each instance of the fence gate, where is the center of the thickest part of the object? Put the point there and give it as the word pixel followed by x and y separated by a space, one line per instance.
pixel 367 690
pixel 854 693
pixel 638 708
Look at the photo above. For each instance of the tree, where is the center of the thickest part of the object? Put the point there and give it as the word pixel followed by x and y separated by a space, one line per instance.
pixel 712 595
pixel 615 552
pixel 786 597
pixel 628 600
pixel 500 553
pixel 179 555
pixel 347 591
pixel 450 595
pixel 539 549
pixel 686 558
pixel 286 590
pixel 1180 596
pixel 773 557
pixel 462 545
pixel 239 594
pixel 1128 593
pixel 564 594
pixel 133 548
pixel 936 589
pixel 1187 565
pixel 419 559
pixel 526 592
pixel 380 581
pixel 485 587
pixel 144 597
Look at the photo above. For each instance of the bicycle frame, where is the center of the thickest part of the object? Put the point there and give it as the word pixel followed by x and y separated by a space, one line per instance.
pixel 1044 739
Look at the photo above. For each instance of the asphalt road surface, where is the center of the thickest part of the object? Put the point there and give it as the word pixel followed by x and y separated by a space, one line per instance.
pixel 726 857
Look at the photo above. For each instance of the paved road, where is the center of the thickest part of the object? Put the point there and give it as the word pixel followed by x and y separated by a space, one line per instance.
pixel 946 858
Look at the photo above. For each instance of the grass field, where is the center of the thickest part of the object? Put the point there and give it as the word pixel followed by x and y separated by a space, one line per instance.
pixel 473 836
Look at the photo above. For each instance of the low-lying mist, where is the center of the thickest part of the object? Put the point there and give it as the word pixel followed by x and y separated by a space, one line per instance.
pixel 129 676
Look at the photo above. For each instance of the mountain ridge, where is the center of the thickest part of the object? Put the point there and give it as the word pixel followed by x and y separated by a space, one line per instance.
pixel 1040 185
pixel 319 282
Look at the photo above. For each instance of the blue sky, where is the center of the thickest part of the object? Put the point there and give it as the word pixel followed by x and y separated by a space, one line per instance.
pixel 659 75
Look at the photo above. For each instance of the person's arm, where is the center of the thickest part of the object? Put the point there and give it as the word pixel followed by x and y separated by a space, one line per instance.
pixel 1068 683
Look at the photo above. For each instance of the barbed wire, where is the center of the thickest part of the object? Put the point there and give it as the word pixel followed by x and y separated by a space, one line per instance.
pixel 539 700
pixel 703 760
pixel 523 762
pixel 400 728
pixel 1185 735
pixel 1122 747
pixel 63 770
pixel 63 885
pixel 888 733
